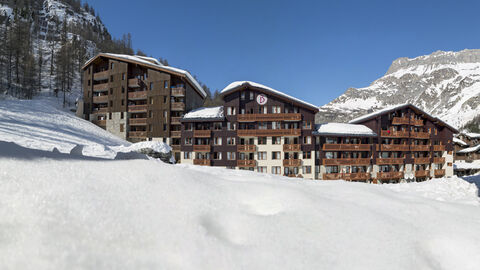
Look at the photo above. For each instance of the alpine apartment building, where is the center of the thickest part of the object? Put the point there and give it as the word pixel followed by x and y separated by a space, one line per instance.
pixel 262 129
pixel 137 98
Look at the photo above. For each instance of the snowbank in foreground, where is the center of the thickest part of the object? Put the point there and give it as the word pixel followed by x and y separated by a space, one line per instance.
pixel 143 214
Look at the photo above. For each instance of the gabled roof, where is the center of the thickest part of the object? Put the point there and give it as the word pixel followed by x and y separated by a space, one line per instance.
pixel 369 116
pixel 151 63
pixel 238 85
pixel 469 150
pixel 342 129
pixel 204 114
pixel 472 135
pixel 459 142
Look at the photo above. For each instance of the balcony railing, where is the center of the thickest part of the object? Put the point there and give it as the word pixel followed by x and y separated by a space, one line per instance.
pixel 202 148
pixel 400 121
pixel 176 147
pixel 100 87
pixel 393 147
pixel 100 110
pixel 394 134
pixel 346 147
pixel 100 99
pixel 439 148
pixel 137 134
pixel 292 147
pixel 178 106
pixel 176 120
pixel 269 117
pixel 176 134
pixel 292 162
pixel 246 148
pixel 438 160
pixel 101 123
pixel 178 92
pixel 347 176
pixel 422 160
pixel 419 135
pixel 99 76
pixel 387 161
pixel 422 174
pixel 137 95
pixel 389 175
pixel 137 108
pixel 246 163
pixel 202 162
pixel 420 148
pixel 439 173
pixel 268 132
pixel 137 121
pixel 416 122
pixel 346 161
pixel 202 133
pixel 133 83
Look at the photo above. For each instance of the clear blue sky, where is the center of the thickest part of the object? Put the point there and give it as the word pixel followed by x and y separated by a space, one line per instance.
pixel 313 50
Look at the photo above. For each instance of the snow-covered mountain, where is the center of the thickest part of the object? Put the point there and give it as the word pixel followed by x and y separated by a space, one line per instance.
pixel 446 84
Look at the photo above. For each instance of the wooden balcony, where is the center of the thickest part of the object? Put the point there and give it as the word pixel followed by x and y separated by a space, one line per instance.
pixel 246 163
pixel 292 162
pixel 100 87
pixel 438 160
pixel 268 132
pixel 99 76
pixel 393 147
pixel 137 95
pixel 346 161
pixel 422 174
pixel 416 122
pixel 246 148
pixel 269 117
pixel 101 123
pixel 292 147
pixel 388 161
pixel 134 83
pixel 202 133
pixel 177 106
pixel 176 120
pixel 202 162
pixel 100 99
pixel 202 148
pixel 420 148
pixel 137 108
pixel 419 135
pixel 137 134
pixel 394 134
pixel 389 175
pixel 422 160
pixel 346 147
pixel 439 148
pixel 347 176
pixel 176 147
pixel 439 173
pixel 400 121
pixel 137 121
pixel 99 110
pixel 178 92
pixel 175 134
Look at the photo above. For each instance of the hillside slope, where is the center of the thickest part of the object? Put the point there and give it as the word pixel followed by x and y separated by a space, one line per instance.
pixel 446 84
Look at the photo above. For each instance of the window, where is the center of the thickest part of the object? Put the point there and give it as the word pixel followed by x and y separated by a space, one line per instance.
pixel 164 99
pixel 307 169
pixel 150 114
pixel 150 128
pixel 151 100
pixel 187 155
pixel 331 169
pixel 262 125
pixel 276 170
pixel 123 89
pixel 231 126
pixel 165 84
pixel 231 111
pixel 231 141
pixel 262 109
pixel 111 78
pixel 276 140
pixel 251 96
pixel 307 140
pixel 111 91
pixel 217 141
pixel 111 103
pixel 110 116
pixel 231 155
pixel 164 127
pixel 307 125
pixel 262 140
pixel 123 103
pixel 121 115
pixel 276 109
pixel 188 126
pixel 262 155
pixel 123 76
pixel 151 86
pixel 88 82
pixel 276 125
pixel 275 155
pixel 165 114
pixel 217 155
pixel 188 141
pixel 307 155
pixel 112 65
pixel 122 126
pixel 242 95
pixel 262 169
pixel 217 126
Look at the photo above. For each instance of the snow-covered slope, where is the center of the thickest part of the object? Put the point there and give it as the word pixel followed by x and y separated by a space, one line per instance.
pixel 445 84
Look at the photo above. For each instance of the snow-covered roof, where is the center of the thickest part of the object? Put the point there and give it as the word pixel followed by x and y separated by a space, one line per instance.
pixel 156 146
pixel 469 150
pixel 152 62
pixel 460 142
pixel 342 129
pixel 472 135
pixel 236 85
pixel 466 166
pixel 212 113
pixel 398 107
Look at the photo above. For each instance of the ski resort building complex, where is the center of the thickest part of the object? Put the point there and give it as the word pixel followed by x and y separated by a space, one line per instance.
pixel 137 98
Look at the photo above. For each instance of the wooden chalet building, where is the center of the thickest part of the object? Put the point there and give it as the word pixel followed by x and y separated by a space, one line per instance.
pixel 137 98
